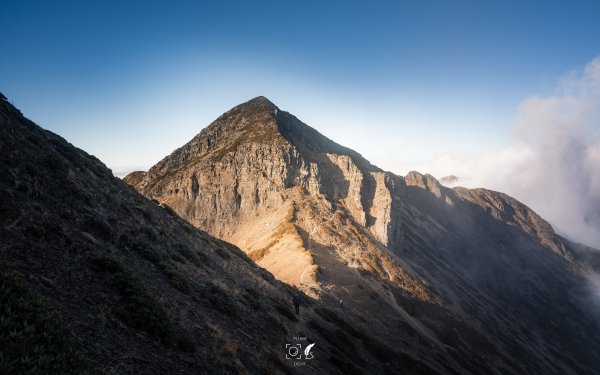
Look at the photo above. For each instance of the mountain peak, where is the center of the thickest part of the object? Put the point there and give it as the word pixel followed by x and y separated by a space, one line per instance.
pixel 253 124
pixel 261 99
pixel 255 105
pixel 318 215
pixel 128 269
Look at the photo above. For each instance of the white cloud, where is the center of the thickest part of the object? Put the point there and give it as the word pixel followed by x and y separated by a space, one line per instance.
pixel 553 164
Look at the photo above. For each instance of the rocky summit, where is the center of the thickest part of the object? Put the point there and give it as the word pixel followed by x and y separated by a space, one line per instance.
pixel 464 281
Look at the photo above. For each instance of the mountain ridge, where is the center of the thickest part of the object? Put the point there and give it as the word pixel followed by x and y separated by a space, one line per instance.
pixel 289 127
pixel 319 215
pixel 135 288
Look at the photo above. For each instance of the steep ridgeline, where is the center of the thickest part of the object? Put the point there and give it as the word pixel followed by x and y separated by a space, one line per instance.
pixel 468 281
pixel 246 175
pixel 129 287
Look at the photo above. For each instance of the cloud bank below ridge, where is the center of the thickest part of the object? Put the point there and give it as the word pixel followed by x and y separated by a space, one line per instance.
pixel 553 164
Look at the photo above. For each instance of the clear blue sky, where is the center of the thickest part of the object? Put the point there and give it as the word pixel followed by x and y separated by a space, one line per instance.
pixel 129 81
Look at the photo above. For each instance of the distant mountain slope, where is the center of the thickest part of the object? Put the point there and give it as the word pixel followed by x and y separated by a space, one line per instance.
pixel 139 290
pixel 470 281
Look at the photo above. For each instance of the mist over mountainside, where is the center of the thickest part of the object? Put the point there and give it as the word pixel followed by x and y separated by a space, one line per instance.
pixel 553 161
pixel 449 180
pixel 471 281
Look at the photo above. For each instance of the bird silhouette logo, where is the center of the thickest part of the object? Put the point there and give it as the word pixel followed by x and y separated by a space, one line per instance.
pixel 307 353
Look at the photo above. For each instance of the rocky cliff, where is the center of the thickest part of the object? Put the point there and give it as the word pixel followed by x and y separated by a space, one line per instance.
pixel 471 281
